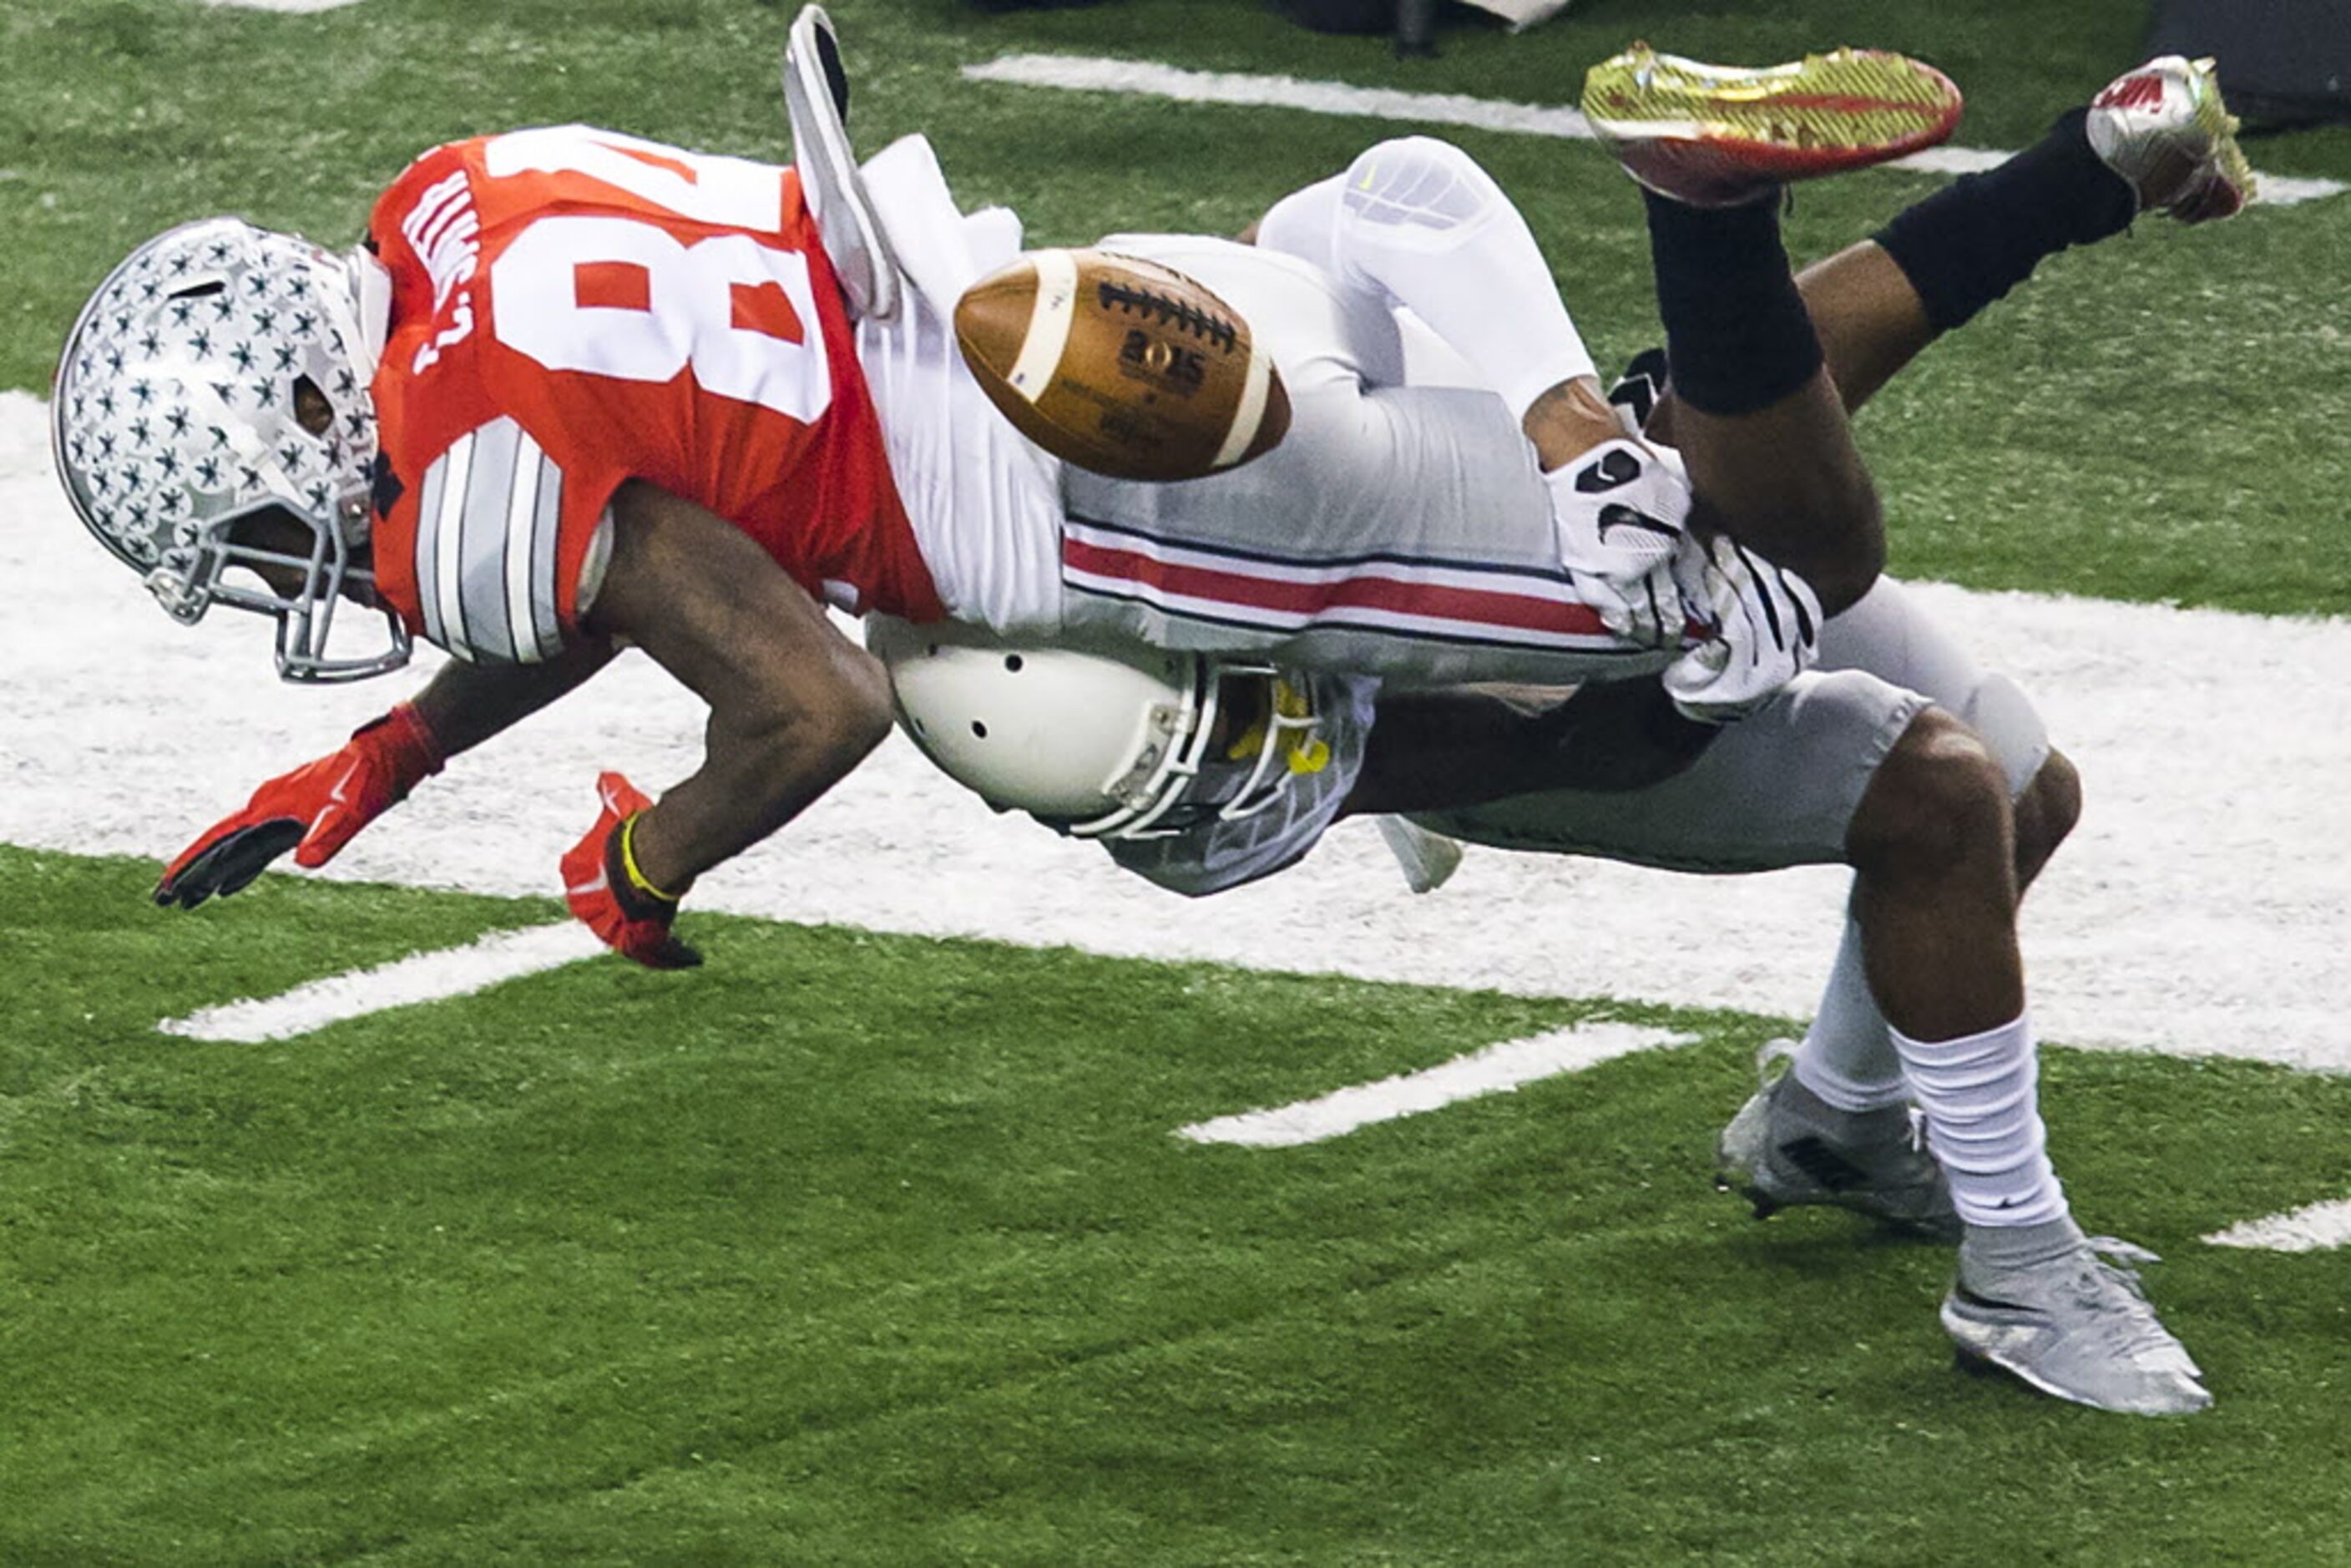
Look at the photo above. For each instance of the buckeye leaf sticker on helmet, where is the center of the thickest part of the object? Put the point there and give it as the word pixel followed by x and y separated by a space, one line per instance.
pixel 1122 366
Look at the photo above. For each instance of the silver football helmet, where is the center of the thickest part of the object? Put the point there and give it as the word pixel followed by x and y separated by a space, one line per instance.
pixel 211 411
pixel 1129 745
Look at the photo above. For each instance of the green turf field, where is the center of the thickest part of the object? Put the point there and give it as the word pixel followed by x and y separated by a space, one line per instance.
pixel 882 1250
pixel 858 1248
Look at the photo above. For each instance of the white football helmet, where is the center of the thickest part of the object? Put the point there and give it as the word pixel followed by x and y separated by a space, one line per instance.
pixel 1128 745
pixel 219 378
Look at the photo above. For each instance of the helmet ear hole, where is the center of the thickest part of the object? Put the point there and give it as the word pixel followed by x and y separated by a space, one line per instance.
pixel 1012 662
pixel 312 411
pixel 979 729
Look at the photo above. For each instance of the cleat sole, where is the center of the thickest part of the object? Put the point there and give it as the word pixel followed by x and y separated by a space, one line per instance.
pixel 1712 134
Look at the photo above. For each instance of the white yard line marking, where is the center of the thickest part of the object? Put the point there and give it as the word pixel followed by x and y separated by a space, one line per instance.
pixel 1497 1069
pixel 287 5
pixel 1082 73
pixel 2318 1228
pixel 419 978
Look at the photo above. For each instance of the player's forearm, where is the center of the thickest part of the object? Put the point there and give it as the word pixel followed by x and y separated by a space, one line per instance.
pixel 1568 420
pixel 464 704
pixel 759 772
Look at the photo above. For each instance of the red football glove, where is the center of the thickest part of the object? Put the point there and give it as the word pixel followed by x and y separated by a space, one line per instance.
pixel 313 810
pixel 604 887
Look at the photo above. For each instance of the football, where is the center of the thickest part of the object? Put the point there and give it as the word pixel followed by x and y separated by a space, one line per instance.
pixel 1121 366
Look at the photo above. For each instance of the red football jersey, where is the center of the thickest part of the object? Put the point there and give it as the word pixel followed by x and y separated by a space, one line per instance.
pixel 572 309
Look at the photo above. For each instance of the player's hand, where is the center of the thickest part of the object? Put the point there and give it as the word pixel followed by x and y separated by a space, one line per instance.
pixel 1622 513
pixel 604 888
pixel 1767 624
pixel 313 810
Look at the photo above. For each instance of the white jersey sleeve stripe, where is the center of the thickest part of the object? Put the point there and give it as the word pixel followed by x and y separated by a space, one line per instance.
pixel 481 536
pixel 448 545
pixel 490 512
pixel 545 531
pixel 522 518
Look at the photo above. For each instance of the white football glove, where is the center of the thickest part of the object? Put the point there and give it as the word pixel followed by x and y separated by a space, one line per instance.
pixel 1622 510
pixel 1767 624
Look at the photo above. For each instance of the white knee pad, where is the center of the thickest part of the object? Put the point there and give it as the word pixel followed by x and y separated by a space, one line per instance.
pixel 1888 636
pixel 2004 717
pixel 1417 193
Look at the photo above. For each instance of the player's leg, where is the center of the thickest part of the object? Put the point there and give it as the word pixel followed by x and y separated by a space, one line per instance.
pixel 1846 1063
pixel 1846 766
pixel 2158 139
pixel 1925 1003
pixel 1756 416
pixel 1757 420
pixel 1935 907
pixel 1414 228
pixel 1847 1058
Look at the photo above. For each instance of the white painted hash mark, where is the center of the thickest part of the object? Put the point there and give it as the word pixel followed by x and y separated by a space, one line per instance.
pixel 2318 1228
pixel 289 5
pixel 501 957
pixel 1082 73
pixel 1497 1069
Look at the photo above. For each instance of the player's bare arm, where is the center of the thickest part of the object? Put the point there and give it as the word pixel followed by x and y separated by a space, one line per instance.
pixel 794 704
pixel 465 704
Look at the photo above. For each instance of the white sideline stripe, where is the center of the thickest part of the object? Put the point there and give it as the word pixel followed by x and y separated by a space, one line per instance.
pixel 2319 1227
pixel 419 978
pixel 1085 73
pixel 1497 1069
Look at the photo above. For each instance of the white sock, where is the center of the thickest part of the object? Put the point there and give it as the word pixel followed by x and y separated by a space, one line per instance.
pixel 1418 219
pixel 1847 1058
pixel 1984 1123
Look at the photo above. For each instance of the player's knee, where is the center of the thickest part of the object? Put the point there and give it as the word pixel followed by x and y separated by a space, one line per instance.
pixel 1938 800
pixel 2046 811
pixel 1421 182
pixel 1996 709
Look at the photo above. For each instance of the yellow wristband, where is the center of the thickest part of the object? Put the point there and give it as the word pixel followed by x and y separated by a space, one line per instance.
pixel 637 879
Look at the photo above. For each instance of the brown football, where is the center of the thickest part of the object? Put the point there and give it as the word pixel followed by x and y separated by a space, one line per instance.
pixel 1121 365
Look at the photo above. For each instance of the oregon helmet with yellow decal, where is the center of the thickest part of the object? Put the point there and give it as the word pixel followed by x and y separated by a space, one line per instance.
pixel 1131 744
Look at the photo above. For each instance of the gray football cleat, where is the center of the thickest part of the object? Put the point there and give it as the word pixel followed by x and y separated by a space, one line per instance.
pixel 2164 128
pixel 2076 1326
pixel 1786 1149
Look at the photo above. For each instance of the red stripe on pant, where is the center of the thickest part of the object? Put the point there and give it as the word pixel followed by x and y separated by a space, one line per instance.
pixel 1473 607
